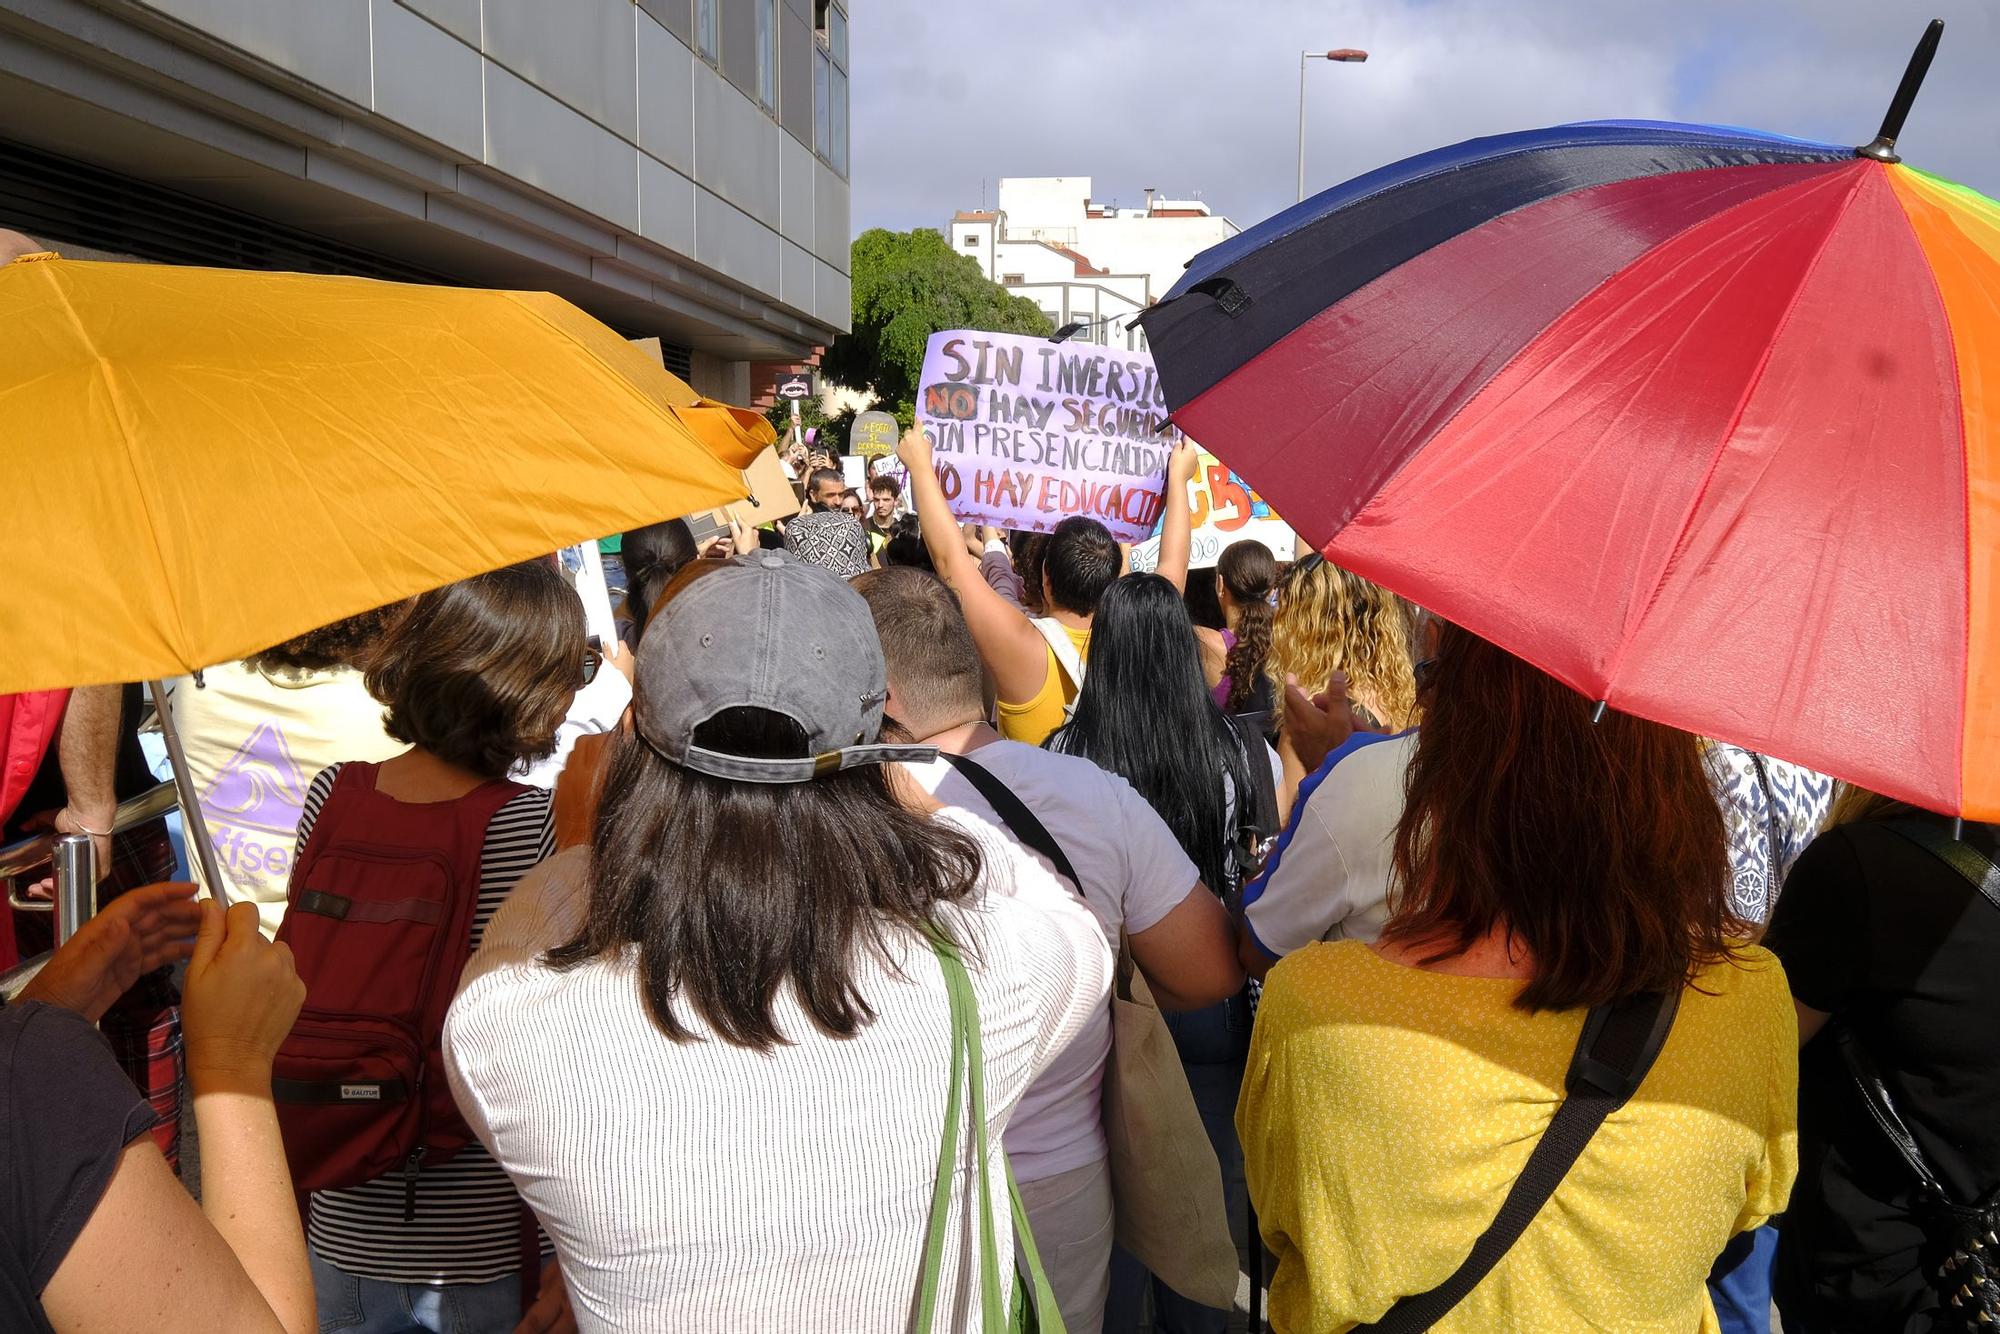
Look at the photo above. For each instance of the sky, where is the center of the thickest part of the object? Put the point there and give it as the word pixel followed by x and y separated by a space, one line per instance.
pixel 1199 98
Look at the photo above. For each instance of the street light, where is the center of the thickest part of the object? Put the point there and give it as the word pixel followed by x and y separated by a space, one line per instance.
pixel 1346 55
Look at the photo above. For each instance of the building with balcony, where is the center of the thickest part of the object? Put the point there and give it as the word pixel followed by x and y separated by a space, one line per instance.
pixel 678 168
pixel 1081 261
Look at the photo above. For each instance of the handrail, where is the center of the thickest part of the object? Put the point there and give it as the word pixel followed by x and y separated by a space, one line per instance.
pixel 25 855
pixel 29 853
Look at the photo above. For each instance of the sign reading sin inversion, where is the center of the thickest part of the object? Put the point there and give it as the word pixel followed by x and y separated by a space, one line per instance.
pixel 1027 432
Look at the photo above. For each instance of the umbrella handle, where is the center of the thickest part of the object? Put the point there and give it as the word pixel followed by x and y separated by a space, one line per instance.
pixel 192 824
pixel 1883 149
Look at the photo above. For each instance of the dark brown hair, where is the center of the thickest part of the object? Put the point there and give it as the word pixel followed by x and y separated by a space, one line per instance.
pixel 1248 571
pixel 481 672
pixel 1598 846
pixel 345 643
pixel 933 663
pixel 731 891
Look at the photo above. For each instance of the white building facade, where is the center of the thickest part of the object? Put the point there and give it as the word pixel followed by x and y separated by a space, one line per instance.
pixel 1081 261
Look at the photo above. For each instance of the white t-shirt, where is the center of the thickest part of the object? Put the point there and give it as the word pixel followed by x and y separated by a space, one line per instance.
pixel 703 1186
pixel 1328 876
pixel 1134 874
pixel 596 708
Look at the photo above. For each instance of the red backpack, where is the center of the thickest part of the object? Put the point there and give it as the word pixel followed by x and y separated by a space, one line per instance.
pixel 379 919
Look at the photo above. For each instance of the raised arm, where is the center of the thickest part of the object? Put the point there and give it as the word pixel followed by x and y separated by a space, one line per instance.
pixel 1013 650
pixel 1177 522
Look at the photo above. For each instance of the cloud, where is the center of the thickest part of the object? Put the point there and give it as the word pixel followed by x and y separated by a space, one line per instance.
pixel 1200 97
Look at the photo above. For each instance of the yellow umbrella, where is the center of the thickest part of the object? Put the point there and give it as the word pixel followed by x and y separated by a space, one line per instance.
pixel 206 462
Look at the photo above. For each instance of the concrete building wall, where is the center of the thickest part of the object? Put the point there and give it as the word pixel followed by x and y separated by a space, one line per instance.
pixel 585 146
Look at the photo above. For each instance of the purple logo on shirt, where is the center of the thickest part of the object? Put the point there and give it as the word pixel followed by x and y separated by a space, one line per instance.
pixel 260 787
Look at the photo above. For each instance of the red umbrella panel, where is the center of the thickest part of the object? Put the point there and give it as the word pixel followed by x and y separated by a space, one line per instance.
pixel 1693 418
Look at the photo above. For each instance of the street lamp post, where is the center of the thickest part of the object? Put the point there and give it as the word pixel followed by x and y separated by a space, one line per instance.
pixel 1346 55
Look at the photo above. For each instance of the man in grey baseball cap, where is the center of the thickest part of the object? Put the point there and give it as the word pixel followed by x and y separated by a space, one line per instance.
pixel 767 631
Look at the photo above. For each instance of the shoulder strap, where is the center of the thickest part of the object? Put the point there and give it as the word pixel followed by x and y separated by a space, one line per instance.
pixel 1617 1047
pixel 968 1071
pixel 1023 823
pixel 1056 634
pixel 1956 853
pixel 1882 1111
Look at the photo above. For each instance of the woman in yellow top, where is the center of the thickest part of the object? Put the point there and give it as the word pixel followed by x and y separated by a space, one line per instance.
pixel 1037 664
pixel 1394 1092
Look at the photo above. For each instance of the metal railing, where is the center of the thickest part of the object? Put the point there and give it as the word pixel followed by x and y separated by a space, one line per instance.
pixel 75 863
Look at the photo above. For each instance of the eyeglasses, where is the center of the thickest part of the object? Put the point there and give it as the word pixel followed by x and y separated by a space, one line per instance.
pixel 592 660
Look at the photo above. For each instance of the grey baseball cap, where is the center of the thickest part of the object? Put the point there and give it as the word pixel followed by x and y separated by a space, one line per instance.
pixel 770 631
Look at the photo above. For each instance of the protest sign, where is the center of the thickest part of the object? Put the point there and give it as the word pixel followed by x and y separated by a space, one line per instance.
pixel 1226 511
pixel 795 386
pixel 873 435
pixel 1026 432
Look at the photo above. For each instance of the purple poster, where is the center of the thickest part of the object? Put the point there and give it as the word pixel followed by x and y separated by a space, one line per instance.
pixel 1026 432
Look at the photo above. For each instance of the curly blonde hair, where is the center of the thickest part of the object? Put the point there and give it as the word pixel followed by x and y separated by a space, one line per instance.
pixel 1329 620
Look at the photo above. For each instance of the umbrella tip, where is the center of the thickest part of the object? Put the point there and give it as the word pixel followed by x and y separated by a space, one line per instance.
pixel 1883 147
pixel 1597 714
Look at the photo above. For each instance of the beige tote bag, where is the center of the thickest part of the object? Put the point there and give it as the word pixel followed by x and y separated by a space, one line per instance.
pixel 1166 1185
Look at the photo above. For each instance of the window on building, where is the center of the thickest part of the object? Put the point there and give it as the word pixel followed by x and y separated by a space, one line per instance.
pixel 822 105
pixel 704 29
pixel 838 96
pixel 767 52
pixel 1011 279
pixel 971 241
pixel 830 84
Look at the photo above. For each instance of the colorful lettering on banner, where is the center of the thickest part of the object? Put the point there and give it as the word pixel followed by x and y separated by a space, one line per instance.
pixel 1026 432
pixel 1225 511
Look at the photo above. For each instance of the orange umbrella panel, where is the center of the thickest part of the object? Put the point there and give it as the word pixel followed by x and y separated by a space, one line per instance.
pixel 222 460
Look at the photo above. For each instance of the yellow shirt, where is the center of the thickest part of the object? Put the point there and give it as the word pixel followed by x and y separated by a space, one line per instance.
pixel 1386 1111
pixel 1032 722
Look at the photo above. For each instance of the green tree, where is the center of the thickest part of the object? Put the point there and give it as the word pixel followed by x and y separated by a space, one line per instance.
pixel 907 286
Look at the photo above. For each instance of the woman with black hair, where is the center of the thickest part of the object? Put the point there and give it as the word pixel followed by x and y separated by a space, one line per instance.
pixel 1145 714
pixel 653 555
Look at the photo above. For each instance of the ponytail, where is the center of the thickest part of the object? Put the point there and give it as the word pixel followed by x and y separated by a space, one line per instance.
pixel 1249 572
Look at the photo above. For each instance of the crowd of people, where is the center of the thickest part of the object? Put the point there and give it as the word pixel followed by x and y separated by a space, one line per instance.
pixel 787 964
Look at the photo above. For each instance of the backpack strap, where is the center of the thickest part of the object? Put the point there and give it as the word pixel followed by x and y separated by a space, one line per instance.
pixel 1617 1047
pixel 1261 802
pixel 1021 822
pixel 1956 853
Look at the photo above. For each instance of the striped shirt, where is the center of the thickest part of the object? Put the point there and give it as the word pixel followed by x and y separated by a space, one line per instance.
pixel 468 1219
pixel 702 1186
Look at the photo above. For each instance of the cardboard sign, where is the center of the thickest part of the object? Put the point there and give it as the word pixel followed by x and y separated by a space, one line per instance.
pixel 854 472
pixel 1226 511
pixel 1027 432
pixel 873 435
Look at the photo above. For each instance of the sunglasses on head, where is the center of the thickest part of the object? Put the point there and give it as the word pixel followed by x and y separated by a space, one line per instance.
pixel 593 658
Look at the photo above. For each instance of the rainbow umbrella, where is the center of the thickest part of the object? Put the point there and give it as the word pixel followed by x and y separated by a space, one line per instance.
pixel 1694 418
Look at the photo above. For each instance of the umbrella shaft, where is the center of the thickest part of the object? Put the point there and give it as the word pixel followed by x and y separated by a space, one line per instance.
pixel 193 826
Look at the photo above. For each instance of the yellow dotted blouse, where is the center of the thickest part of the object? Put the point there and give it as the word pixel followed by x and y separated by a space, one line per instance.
pixel 1386 1110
